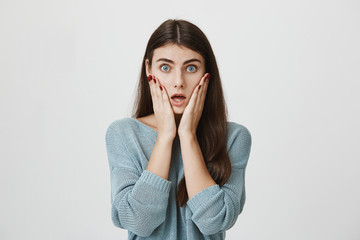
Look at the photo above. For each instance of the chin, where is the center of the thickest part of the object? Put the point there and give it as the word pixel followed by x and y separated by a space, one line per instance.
pixel 179 111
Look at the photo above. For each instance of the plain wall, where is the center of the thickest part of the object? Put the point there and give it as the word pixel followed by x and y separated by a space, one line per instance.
pixel 290 72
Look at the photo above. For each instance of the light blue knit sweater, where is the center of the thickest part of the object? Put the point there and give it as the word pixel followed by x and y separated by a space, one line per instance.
pixel 144 203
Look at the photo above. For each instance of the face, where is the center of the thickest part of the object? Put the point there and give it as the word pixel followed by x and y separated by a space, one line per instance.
pixel 179 70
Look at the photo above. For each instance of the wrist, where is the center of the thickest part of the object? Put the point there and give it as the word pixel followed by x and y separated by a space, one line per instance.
pixel 187 136
pixel 166 138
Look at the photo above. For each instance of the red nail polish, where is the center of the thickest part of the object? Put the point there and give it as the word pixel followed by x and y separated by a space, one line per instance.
pixel 199 87
pixel 149 78
pixel 154 80
pixel 160 88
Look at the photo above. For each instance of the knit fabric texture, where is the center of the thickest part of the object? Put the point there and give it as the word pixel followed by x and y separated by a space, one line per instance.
pixel 145 204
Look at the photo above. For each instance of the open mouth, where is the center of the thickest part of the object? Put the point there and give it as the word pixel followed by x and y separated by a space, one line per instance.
pixel 178 99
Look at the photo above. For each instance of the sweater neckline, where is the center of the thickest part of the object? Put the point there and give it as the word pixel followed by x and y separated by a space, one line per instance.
pixel 144 125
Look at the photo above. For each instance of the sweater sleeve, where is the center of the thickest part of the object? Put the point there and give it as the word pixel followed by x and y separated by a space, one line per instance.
pixel 216 208
pixel 139 198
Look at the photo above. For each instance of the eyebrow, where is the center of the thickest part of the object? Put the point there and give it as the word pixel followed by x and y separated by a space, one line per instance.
pixel 172 62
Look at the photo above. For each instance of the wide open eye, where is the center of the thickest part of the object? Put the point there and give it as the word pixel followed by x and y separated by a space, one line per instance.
pixel 191 68
pixel 165 68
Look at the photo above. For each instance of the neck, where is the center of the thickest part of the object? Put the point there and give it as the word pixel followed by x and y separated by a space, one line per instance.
pixel 177 119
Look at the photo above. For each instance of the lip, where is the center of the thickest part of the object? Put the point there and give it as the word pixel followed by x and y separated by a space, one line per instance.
pixel 178 94
pixel 175 103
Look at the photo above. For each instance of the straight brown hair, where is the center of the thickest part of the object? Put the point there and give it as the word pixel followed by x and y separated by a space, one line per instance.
pixel 212 128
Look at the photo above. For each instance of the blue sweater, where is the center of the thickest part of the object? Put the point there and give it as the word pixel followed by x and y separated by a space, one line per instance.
pixel 145 204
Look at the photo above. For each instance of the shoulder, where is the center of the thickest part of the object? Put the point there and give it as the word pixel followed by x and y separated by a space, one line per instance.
pixel 238 144
pixel 129 129
pixel 121 126
pixel 120 123
pixel 236 129
pixel 118 129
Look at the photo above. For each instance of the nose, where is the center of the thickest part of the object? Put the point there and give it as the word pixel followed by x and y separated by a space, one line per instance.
pixel 179 80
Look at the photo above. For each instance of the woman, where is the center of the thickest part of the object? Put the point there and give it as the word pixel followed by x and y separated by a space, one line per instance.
pixel 178 167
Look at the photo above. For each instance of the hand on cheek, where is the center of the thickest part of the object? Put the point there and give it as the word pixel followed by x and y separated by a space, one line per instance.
pixel 193 110
pixel 163 111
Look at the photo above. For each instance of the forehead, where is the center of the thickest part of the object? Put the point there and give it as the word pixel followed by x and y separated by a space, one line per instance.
pixel 176 53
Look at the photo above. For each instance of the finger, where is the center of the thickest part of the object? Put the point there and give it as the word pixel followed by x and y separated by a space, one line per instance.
pixel 193 103
pixel 166 98
pixel 197 89
pixel 155 95
pixel 163 100
pixel 155 85
pixel 158 87
pixel 163 91
pixel 202 91
pixel 202 82
pixel 206 85
pixel 164 94
pixel 151 87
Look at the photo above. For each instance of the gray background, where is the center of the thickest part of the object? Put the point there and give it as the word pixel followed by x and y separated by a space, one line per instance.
pixel 290 71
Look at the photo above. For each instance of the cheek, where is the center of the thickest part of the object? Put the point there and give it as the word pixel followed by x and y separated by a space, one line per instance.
pixel 164 78
pixel 165 84
pixel 193 85
pixel 194 80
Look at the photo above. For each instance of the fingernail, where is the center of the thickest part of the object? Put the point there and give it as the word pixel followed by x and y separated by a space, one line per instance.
pixel 199 87
pixel 149 78
pixel 160 88
pixel 208 77
pixel 154 80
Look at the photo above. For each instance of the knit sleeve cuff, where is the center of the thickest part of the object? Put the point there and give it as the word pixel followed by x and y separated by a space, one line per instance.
pixel 203 197
pixel 155 181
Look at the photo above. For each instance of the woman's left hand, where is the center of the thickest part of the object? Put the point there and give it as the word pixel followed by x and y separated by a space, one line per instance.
pixel 192 113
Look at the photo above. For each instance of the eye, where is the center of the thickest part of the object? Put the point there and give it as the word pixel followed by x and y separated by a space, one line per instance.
pixel 191 68
pixel 165 68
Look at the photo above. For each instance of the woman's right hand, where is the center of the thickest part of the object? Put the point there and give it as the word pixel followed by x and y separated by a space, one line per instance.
pixel 163 111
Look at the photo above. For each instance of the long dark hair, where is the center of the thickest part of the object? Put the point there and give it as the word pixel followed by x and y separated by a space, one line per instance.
pixel 212 128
